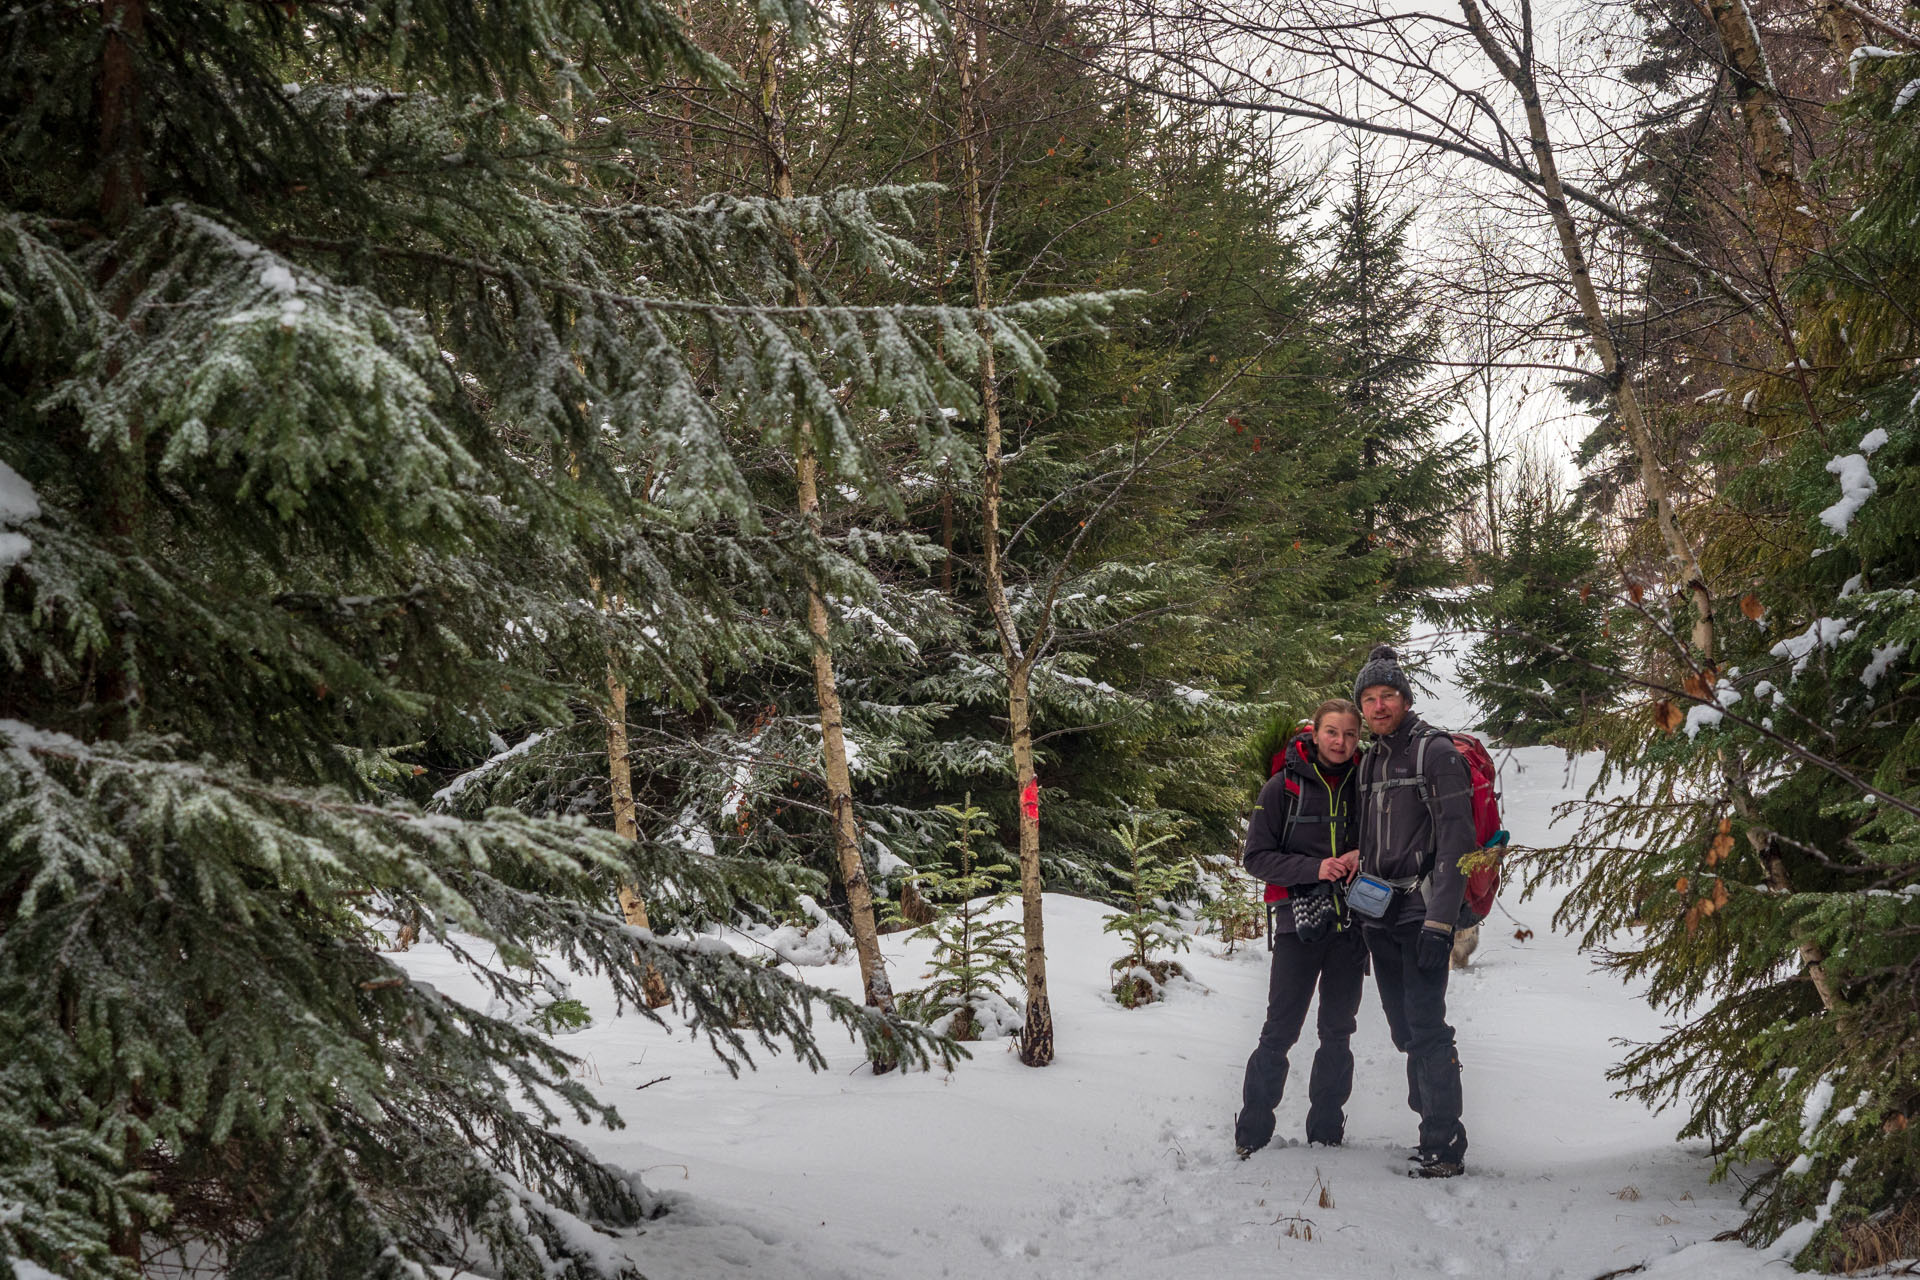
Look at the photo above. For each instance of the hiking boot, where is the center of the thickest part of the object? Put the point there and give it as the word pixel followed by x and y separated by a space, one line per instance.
pixel 1322 1132
pixel 1243 1152
pixel 1431 1164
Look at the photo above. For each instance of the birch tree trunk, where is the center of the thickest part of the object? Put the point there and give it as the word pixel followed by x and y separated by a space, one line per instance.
pixel 1843 29
pixel 1518 72
pixel 833 741
pixel 1036 1036
pixel 1783 203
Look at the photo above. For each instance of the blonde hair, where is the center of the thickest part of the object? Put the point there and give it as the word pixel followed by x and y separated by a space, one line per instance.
pixel 1334 706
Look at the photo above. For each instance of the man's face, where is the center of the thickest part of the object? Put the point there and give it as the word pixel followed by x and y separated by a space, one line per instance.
pixel 1384 707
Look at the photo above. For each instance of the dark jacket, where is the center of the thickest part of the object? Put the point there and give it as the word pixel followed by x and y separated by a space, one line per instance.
pixel 1397 834
pixel 1321 804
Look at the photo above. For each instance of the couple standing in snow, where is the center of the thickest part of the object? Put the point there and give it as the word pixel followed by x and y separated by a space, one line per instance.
pixel 1368 851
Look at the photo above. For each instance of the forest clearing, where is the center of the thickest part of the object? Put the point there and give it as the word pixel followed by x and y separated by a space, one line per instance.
pixel 880 540
pixel 1119 1163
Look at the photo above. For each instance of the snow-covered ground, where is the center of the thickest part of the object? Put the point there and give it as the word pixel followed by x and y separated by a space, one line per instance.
pixel 1117 1161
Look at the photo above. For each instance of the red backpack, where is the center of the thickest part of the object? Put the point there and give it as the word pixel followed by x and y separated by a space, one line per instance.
pixel 1278 892
pixel 1483 882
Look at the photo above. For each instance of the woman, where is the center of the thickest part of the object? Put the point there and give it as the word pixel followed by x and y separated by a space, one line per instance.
pixel 1296 840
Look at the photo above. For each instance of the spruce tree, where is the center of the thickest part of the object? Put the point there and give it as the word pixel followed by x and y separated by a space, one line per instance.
pixel 1546 660
pixel 974 958
pixel 1146 921
pixel 1763 875
pixel 344 384
pixel 1388 336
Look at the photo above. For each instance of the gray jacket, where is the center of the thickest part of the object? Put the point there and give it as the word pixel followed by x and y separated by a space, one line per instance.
pixel 1397 825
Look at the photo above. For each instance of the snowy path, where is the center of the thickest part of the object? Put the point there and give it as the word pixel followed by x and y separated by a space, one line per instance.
pixel 1117 1161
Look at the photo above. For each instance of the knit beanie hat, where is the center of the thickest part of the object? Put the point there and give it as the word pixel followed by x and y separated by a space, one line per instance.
pixel 1383 667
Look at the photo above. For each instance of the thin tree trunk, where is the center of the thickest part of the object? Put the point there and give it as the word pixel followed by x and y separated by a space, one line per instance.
pixel 833 741
pixel 1486 434
pixel 1036 1036
pixel 123 181
pixel 633 908
pixel 833 745
pixel 685 130
pixel 1843 30
pixel 1783 201
pixel 1868 18
pixel 123 191
pixel 940 296
pixel 946 536
pixel 1653 477
pixel 1652 474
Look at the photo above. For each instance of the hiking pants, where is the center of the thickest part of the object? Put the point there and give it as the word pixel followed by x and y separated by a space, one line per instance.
pixel 1415 1001
pixel 1336 965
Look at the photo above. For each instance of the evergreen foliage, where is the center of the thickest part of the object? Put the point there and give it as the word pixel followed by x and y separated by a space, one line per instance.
pixel 1763 872
pixel 1146 921
pixel 1387 336
pixel 1547 658
pixel 353 420
pixel 1220 579
pixel 380 382
pixel 1230 902
pixel 973 956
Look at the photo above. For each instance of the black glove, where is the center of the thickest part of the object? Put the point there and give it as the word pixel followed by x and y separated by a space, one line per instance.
pixel 1434 948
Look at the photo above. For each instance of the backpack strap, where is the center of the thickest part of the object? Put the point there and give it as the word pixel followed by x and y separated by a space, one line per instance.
pixel 1431 799
pixel 1293 813
pixel 1423 787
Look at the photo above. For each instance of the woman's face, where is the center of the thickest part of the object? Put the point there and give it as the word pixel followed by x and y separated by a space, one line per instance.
pixel 1336 736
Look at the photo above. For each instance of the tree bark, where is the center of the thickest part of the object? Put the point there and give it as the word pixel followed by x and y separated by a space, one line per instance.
pixel 833 741
pixel 1843 30
pixel 833 746
pixel 1486 438
pixel 1036 1036
pixel 633 908
pixel 1783 204
pixel 123 487
pixel 1518 72
pixel 123 181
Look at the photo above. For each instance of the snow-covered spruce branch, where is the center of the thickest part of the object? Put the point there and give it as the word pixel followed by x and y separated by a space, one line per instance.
pixel 341 847
pixel 1793 748
pixel 1043 637
pixel 1004 317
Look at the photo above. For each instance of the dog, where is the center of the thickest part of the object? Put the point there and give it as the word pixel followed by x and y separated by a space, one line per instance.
pixel 1464 942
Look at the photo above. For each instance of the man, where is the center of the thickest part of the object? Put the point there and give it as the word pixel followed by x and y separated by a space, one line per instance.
pixel 1415 825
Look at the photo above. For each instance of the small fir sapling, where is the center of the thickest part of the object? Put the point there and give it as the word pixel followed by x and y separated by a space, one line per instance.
pixel 973 955
pixel 1232 903
pixel 1149 924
